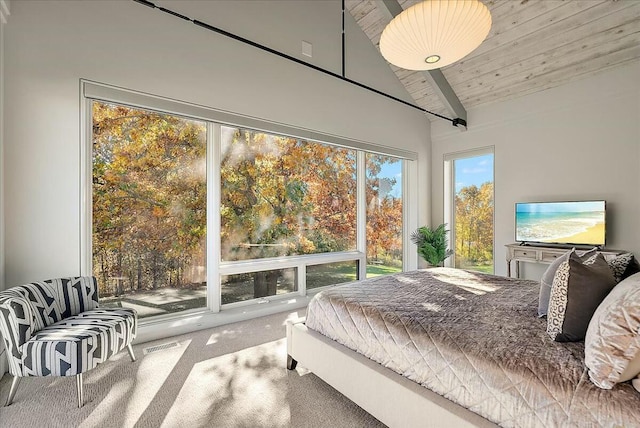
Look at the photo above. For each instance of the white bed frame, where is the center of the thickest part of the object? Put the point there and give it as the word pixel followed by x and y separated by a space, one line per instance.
pixel 393 399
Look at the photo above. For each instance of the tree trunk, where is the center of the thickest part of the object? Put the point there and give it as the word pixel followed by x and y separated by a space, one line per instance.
pixel 272 282
pixel 260 284
pixel 139 274
pixel 154 270
pixel 105 277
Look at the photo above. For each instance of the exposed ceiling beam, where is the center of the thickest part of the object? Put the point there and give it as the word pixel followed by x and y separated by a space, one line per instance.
pixel 390 9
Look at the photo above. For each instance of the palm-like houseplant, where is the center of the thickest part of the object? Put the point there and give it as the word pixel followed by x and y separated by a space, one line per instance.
pixel 432 244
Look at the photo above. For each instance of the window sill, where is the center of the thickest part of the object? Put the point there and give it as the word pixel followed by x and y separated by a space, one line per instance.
pixel 154 329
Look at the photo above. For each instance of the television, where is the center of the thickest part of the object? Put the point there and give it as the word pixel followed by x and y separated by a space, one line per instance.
pixel 566 223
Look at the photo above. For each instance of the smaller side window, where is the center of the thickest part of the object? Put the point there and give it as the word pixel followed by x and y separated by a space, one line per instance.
pixel 470 209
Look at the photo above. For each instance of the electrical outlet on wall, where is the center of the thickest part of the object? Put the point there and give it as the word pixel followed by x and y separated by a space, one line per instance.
pixel 307 49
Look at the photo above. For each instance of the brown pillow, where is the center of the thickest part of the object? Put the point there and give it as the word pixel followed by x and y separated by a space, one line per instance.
pixel 547 279
pixel 578 288
pixel 612 342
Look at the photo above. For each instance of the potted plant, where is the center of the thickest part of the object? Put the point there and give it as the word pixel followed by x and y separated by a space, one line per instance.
pixel 432 244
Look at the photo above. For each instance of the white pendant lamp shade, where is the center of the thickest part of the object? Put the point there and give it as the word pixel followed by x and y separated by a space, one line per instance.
pixel 435 33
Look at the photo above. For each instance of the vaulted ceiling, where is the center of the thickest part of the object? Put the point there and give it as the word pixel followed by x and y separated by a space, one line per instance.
pixel 533 45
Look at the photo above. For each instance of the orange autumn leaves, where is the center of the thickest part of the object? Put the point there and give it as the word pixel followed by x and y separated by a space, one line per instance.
pixel 279 196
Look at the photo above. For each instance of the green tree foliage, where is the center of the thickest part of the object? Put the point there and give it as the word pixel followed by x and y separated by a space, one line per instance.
pixel 474 224
pixel 384 213
pixel 282 196
pixel 149 199
pixel 279 196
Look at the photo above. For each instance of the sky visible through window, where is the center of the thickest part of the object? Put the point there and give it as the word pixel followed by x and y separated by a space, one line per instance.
pixel 393 170
pixel 474 171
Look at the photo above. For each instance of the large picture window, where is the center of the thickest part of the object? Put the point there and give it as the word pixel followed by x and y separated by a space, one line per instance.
pixel 187 212
pixel 149 209
pixel 282 196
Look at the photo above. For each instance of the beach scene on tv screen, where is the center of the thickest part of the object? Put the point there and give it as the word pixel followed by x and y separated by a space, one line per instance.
pixel 561 222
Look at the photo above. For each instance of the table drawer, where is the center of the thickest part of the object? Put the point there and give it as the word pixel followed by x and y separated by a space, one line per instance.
pixel 549 257
pixel 524 254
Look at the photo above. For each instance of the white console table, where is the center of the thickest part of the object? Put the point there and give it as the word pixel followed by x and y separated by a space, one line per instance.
pixel 543 255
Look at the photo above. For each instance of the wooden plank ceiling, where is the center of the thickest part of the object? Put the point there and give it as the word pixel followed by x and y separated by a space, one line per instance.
pixel 533 45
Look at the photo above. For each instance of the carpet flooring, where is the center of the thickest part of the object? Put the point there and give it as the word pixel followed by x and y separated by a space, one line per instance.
pixel 228 376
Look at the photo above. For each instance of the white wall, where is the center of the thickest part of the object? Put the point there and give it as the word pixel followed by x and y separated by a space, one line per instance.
pixel 577 141
pixel 51 45
pixel 5 9
pixel 365 65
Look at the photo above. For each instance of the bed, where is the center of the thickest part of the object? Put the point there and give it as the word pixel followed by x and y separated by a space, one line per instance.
pixel 448 347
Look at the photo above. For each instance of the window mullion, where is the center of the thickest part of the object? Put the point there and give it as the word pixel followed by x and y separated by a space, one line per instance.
pixel 213 216
pixel 86 181
pixel 302 279
pixel 409 215
pixel 450 209
pixel 361 213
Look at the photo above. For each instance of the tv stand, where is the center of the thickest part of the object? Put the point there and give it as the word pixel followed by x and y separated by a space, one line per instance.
pixel 530 253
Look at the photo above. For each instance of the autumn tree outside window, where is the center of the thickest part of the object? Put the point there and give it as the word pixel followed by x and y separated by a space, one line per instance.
pixel 280 198
pixel 469 208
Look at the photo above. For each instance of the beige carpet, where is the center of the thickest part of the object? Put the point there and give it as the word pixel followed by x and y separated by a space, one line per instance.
pixel 228 376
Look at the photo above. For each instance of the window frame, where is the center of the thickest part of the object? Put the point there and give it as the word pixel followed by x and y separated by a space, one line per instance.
pixel 215 119
pixel 450 196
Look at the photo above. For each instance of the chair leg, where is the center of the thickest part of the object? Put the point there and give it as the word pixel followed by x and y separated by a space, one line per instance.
pixel 12 391
pixel 80 390
pixel 131 354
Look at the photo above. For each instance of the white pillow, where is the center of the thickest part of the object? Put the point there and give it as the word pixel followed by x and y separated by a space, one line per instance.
pixel 612 343
pixel 632 370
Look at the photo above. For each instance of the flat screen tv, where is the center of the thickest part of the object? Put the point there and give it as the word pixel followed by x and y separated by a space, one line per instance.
pixel 570 223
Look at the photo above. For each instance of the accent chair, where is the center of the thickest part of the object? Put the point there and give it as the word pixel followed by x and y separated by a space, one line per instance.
pixel 56 328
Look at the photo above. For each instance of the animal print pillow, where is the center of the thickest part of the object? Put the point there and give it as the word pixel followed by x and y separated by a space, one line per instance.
pixel 619 265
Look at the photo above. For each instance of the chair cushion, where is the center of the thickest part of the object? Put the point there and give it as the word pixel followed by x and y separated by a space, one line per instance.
pixel 79 343
pixel 43 299
pixel 76 294
pixel 56 299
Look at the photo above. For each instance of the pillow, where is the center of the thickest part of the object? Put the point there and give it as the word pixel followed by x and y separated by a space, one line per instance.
pixel 547 279
pixel 632 370
pixel 577 291
pixel 613 338
pixel 632 268
pixel 619 265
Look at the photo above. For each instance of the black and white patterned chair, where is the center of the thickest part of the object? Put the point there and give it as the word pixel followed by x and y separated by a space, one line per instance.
pixel 55 328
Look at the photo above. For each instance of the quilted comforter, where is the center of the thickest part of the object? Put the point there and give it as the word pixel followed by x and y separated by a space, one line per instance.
pixel 476 340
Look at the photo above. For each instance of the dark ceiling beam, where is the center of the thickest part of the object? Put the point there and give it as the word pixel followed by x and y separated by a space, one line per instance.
pixel 390 9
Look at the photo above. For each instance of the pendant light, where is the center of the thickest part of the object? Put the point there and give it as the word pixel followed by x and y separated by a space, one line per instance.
pixel 435 33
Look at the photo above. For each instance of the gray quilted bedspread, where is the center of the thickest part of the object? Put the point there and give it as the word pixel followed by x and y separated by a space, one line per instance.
pixel 476 340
